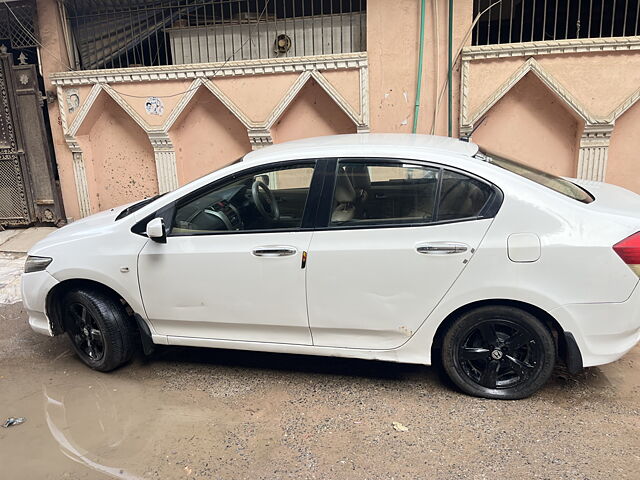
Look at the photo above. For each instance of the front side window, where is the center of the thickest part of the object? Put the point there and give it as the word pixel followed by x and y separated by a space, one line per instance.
pixel 557 184
pixel 269 199
pixel 384 194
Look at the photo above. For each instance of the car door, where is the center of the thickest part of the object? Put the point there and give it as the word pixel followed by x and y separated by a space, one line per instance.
pixel 390 249
pixel 228 271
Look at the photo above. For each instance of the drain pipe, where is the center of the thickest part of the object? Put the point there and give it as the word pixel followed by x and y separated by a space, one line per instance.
pixel 420 60
pixel 450 71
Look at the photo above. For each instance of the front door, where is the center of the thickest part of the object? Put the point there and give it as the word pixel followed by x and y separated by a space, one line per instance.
pixel 232 265
pixel 398 237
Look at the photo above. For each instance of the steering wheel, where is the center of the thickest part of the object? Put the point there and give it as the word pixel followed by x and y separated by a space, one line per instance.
pixel 273 213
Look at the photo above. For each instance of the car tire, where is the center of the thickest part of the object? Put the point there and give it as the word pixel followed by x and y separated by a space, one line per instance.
pixel 101 332
pixel 498 352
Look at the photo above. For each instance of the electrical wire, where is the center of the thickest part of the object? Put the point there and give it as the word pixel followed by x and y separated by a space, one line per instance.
pixel 457 57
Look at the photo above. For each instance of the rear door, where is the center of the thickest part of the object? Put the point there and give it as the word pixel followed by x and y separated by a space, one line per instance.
pixel 387 251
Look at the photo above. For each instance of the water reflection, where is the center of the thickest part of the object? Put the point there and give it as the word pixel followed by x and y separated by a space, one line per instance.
pixel 85 420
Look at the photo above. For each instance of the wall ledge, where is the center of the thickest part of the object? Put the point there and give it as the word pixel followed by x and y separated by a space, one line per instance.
pixel 555 47
pixel 210 70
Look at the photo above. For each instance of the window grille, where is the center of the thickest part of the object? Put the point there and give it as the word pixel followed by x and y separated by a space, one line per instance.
pixel 117 34
pixel 516 21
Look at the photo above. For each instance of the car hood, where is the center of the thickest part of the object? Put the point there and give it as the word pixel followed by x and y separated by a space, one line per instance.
pixel 85 227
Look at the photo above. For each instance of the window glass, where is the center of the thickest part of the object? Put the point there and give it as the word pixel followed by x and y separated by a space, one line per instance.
pixel 383 194
pixel 461 196
pixel 271 199
pixel 558 184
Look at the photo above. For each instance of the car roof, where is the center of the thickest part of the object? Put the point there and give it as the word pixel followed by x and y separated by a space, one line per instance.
pixel 399 144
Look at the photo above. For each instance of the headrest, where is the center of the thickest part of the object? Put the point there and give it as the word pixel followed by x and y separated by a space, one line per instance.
pixel 344 190
pixel 359 175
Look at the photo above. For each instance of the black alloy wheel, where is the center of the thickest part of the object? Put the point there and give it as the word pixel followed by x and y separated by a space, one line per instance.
pixel 498 352
pixel 85 332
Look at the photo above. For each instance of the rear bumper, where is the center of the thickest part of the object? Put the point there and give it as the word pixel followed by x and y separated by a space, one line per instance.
pixel 35 287
pixel 604 332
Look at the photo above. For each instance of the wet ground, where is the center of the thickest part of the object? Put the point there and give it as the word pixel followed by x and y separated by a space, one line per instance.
pixel 198 413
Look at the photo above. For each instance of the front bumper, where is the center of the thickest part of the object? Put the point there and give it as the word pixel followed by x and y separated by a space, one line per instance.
pixel 35 288
pixel 604 332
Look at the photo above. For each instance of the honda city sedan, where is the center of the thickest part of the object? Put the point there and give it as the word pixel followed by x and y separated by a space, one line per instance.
pixel 403 248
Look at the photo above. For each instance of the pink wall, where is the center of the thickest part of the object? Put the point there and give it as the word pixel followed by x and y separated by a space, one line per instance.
pixel 313 113
pixel 624 157
pixel 122 162
pixel 530 124
pixel 206 137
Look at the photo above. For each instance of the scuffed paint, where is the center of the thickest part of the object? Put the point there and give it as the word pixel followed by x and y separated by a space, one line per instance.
pixel 405 331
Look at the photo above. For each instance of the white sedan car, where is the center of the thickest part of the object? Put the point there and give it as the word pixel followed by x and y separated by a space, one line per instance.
pixel 404 248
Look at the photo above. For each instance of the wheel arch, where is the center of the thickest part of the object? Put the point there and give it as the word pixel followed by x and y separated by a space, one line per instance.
pixel 56 294
pixel 557 331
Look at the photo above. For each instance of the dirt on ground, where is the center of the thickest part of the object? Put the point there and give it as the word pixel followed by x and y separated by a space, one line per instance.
pixel 190 413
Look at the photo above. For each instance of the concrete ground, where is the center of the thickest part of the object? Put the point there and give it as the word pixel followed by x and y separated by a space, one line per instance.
pixel 191 413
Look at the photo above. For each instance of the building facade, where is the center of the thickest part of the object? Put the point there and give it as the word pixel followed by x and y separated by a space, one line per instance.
pixel 148 95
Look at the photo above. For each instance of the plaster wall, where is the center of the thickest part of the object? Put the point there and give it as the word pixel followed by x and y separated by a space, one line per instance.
pixel 206 137
pixel 624 151
pixel 532 125
pixel 122 166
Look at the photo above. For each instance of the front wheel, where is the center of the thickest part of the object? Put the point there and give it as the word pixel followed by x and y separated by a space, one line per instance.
pixel 498 352
pixel 101 333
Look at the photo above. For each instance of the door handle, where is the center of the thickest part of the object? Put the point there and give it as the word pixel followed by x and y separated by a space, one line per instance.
pixel 442 248
pixel 274 251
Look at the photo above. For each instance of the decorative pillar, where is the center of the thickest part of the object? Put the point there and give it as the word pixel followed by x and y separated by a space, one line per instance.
pixel 80 175
pixel 259 138
pixel 165 157
pixel 594 150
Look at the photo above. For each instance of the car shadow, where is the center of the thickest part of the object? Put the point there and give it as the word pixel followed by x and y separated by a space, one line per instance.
pixel 292 363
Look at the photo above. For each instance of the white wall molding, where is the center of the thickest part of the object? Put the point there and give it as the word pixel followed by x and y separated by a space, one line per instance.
pixel 594 152
pixel 80 176
pixel 555 47
pixel 84 110
pixel 259 138
pixel 165 158
pixel 62 109
pixel 211 70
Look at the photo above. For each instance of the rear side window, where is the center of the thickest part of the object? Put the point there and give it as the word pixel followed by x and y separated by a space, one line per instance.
pixel 557 184
pixel 461 196
pixel 385 194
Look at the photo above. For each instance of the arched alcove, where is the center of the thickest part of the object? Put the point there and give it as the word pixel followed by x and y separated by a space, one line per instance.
pixel 311 114
pixel 531 124
pixel 623 166
pixel 118 156
pixel 206 136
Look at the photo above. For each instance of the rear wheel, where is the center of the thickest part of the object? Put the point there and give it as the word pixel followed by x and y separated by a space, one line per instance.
pixel 100 330
pixel 498 352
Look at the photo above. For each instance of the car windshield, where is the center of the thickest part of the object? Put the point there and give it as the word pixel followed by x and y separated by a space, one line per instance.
pixel 557 184
pixel 137 206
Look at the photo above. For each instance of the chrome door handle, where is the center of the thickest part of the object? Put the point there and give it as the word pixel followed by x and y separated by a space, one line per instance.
pixel 275 251
pixel 442 248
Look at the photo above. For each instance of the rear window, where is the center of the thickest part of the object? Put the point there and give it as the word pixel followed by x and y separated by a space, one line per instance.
pixel 557 184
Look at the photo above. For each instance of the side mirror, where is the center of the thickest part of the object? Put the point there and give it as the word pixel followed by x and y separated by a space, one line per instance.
pixel 156 230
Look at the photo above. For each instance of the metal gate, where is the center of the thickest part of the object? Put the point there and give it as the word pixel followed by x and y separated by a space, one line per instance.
pixel 29 192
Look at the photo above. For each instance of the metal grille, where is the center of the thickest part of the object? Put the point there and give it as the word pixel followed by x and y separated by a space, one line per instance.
pixel 116 34
pixel 515 21
pixel 23 32
pixel 12 201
